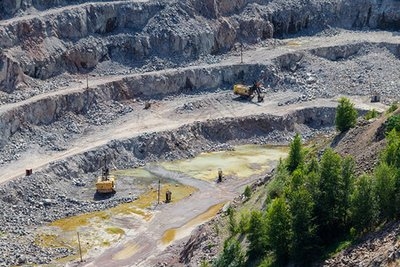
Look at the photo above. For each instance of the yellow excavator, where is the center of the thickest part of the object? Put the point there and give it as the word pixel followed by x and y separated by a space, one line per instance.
pixel 245 91
pixel 105 183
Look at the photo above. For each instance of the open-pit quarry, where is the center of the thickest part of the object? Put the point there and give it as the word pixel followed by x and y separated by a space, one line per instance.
pixel 148 84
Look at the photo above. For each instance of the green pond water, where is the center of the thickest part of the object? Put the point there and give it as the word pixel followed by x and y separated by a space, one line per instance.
pixel 244 161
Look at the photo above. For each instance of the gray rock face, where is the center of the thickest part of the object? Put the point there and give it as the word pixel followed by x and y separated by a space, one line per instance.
pixel 78 37
pixel 285 72
pixel 56 191
pixel 10 7
pixel 48 110
pixel 10 74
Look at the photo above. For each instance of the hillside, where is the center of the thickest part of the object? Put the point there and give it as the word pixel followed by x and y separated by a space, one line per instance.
pixel 378 248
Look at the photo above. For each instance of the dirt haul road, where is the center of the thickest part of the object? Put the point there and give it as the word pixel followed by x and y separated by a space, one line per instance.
pixel 163 115
pixel 143 243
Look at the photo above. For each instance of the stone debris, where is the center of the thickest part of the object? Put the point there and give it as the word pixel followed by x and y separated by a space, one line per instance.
pixel 49 46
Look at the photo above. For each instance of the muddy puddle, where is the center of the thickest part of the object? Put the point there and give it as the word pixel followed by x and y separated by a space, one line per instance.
pixel 177 233
pixel 99 230
pixel 243 162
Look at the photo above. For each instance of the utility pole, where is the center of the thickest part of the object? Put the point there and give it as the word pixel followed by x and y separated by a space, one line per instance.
pixel 241 52
pixel 159 188
pixel 80 249
pixel 87 81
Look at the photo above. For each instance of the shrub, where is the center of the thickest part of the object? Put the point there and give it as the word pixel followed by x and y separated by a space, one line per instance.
pixel 392 108
pixel 244 222
pixel 232 255
pixel 233 229
pixel 247 192
pixel 371 114
pixel 393 122
pixel 346 115
pixel 295 158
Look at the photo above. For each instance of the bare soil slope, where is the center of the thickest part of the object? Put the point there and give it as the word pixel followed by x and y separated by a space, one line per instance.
pixel 364 143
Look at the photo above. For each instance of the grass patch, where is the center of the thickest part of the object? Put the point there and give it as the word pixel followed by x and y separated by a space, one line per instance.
pixel 337 247
pixel 49 241
pixel 72 223
pixel 371 114
pixel 115 231
pixel 392 108
pixel 149 198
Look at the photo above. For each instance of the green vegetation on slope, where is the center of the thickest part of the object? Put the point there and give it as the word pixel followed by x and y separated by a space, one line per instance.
pixel 315 207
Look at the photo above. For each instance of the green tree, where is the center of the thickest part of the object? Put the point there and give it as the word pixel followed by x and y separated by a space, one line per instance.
pixel 295 158
pixel 313 165
pixel 312 183
pixel 268 262
pixel 397 193
pixel 256 236
pixel 296 181
pixel 232 224
pixel 244 222
pixel 347 185
pixel 346 115
pixel 391 154
pixel 247 192
pixel 393 122
pixel 278 226
pixel 385 190
pixel 304 239
pixel 232 255
pixel 329 199
pixel 363 204
pixel 276 187
pixel 391 157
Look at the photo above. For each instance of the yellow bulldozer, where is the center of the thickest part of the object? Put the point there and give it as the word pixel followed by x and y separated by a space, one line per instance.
pixel 105 183
pixel 248 92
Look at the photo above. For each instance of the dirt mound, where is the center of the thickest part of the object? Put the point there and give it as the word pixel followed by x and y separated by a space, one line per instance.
pixel 376 249
pixel 364 143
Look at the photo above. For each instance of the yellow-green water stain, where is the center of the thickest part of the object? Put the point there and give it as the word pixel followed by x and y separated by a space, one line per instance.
pixel 243 162
pixel 97 228
pixel 174 233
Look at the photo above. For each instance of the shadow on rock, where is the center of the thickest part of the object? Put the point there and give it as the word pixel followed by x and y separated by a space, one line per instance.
pixel 244 100
pixel 337 139
pixel 102 196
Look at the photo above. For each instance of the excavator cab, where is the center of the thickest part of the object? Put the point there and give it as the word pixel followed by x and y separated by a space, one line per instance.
pixel 249 91
pixel 105 183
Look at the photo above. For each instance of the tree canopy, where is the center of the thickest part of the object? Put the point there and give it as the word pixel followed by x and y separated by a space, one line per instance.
pixel 346 115
pixel 295 158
